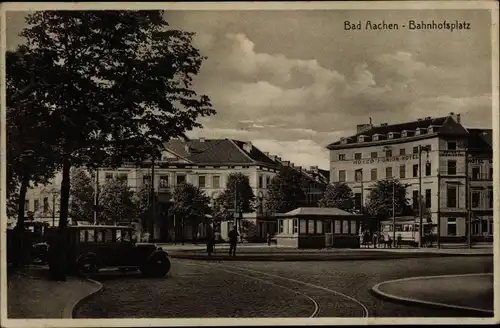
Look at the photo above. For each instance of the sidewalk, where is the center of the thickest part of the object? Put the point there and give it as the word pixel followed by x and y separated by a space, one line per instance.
pixel 472 293
pixel 29 287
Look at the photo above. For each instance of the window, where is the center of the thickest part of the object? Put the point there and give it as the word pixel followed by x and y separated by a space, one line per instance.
pixel 388 153
pixel 310 227
pixel 125 235
pixel 280 226
pixel 415 199
pixel 428 196
pixel 452 167
pixel 484 225
pixel 37 205
pixel 345 226
pixel 373 174
pixel 428 147
pixel 415 150
pixel 402 171
pixel 402 152
pixel 146 179
pixel 295 226
pixel 475 173
pixel 358 175
pixel 428 168
pixel 452 145
pixel 216 181
pixel 452 226
pixel 374 154
pixel 122 177
pixel 180 179
pixel 357 156
pixel 341 157
pixel 337 226
pixel 45 205
pixel 163 181
pixel 261 181
pixel 451 197
pixel 109 176
pixel 328 226
pixel 342 175
pixel 415 170
pixel 388 172
pixel 202 181
pixel 357 200
pixel 475 199
pixel 268 180
pixel 353 227
pixel 319 226
pixel 303 226
pixel 490 197
pixel 109 236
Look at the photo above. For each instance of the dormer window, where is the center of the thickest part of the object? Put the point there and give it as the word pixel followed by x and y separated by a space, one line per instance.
pixel 432 128
pixel 392 135
pixel 362 138
pixel 420 131
pixel 378 136
pixel 406 133
pixel 343 140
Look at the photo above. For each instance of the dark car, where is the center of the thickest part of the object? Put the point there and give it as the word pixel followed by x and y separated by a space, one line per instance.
pixel 92 247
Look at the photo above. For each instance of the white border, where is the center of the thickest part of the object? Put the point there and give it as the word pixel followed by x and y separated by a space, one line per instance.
pixel 361 5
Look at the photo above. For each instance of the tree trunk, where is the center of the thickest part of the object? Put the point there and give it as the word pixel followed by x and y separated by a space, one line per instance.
pixel 59 268
pixel 19 249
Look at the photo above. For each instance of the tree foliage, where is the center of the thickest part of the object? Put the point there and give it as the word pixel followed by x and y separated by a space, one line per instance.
pixel 120 85
pixel 82 195
pixel 190 204
pixel 116 199
pixel 237 194
pixel 286 191
pixel 380 199
pixel 338 195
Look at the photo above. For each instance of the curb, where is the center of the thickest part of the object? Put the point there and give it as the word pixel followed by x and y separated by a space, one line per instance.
pixel 375 290
pixel 68 312
pixel 322 257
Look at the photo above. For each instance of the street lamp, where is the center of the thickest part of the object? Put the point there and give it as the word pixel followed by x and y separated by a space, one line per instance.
pixel 421 214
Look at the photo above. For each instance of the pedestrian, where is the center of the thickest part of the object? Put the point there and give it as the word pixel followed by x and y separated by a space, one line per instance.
pixel 399 240
pixel 375 239
pixel 233 240
pixel 268 239
pixel 386 240
pixel 366 238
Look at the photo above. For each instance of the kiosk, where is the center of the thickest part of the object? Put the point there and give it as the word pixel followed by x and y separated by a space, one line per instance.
pixel 318 227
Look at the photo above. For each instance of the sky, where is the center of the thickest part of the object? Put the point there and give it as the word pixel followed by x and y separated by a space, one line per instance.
pixel 291 82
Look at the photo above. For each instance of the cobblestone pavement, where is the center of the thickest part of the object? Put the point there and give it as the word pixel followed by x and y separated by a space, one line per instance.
pixel 271 289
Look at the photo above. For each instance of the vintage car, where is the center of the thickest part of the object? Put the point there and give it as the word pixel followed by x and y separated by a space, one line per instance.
pixel 92 247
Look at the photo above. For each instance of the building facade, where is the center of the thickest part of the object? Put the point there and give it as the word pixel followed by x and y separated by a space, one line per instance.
pixel 446 165
pixel 205 163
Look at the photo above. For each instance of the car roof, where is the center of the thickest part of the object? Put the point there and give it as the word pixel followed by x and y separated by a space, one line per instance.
pixel 99 226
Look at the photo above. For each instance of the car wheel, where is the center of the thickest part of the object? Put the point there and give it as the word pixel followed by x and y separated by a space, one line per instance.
pixel 87 265
pixel 158 265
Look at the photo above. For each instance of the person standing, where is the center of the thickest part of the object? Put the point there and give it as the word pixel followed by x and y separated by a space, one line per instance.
pixel 375 239
pixel 233 240
pixel 268 239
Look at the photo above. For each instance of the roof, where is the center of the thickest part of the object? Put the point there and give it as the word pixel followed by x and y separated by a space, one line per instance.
pixel 217 151
pixel 443 125
pixel 480 138
pixel 317 211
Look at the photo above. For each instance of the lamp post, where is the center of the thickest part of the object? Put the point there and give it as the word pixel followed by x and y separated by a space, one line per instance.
pixel 394 212
pixel 421 214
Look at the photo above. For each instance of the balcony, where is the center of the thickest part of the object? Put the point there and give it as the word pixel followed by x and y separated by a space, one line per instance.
pixel 480 177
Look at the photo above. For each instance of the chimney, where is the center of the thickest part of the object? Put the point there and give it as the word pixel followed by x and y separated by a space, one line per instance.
pixel 458 118
pixel 247 146
pixel 292 165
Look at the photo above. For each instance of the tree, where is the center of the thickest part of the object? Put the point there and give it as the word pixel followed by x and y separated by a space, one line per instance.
pixel 142 203
pixel 286 191
pixel 380 199
pixel 82 195
pixel 190 205
pixel 116 202
pixel 238 195
pixel 338 195
pixel 120 85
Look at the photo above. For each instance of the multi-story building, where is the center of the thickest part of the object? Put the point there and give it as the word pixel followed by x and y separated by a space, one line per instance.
pixel 206 163
pixel 445 164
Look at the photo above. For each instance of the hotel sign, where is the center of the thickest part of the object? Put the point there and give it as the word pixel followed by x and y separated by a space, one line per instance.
pixel 385 159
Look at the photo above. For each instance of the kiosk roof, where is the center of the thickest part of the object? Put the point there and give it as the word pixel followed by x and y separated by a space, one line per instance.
pixel 317 211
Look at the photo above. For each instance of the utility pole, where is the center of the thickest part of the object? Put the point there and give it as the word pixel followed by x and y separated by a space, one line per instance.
pixel 153 207
pixel 96 195
pixel 393 212
pixel 438 210
pixel 420 213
